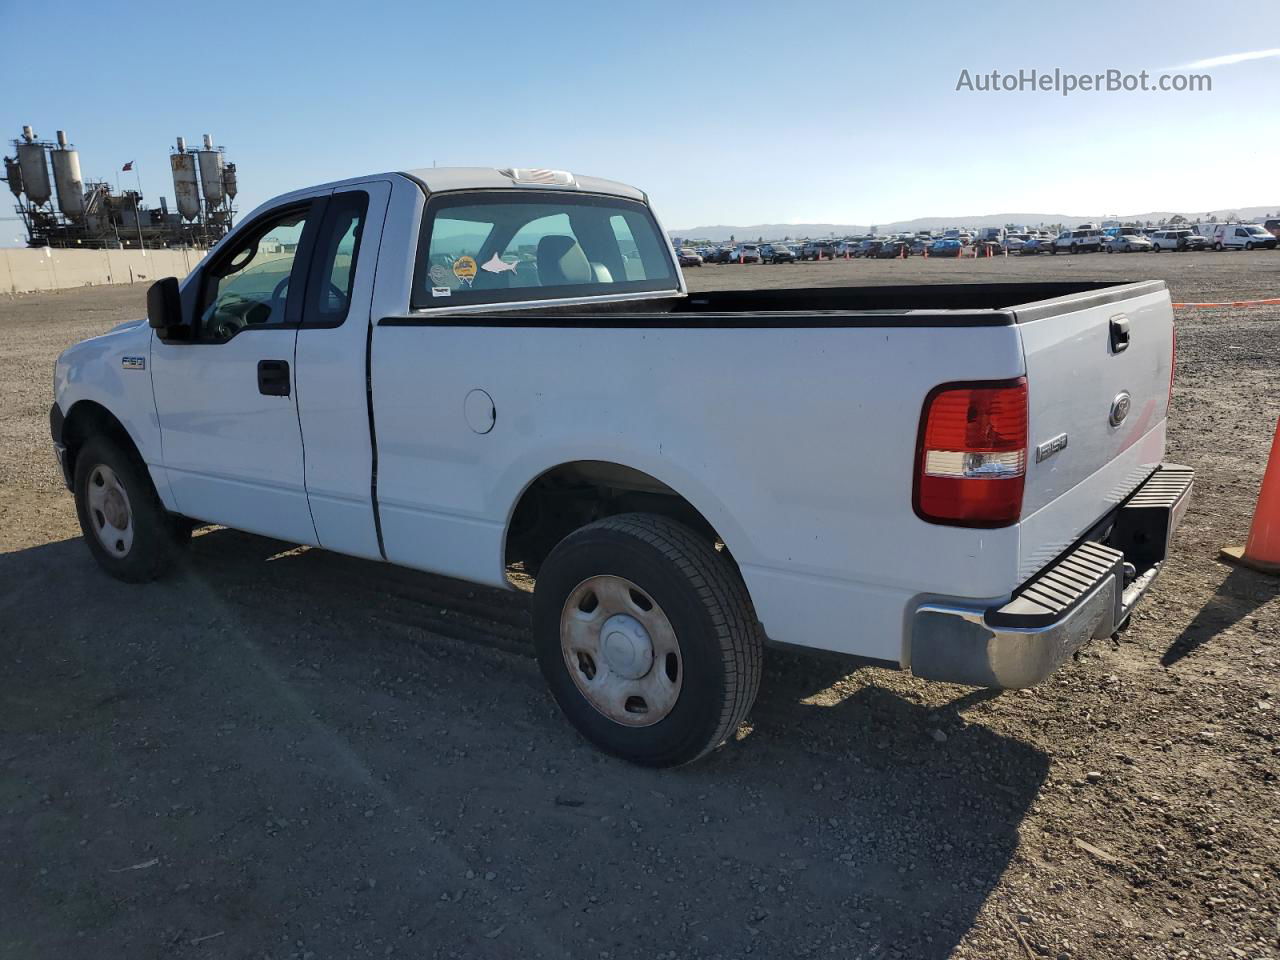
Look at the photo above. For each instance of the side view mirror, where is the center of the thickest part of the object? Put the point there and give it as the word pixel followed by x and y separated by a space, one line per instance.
pixel 164 306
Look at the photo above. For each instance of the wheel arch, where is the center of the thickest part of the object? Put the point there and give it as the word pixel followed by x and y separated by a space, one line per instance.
pixel 88 418
pixel 569 495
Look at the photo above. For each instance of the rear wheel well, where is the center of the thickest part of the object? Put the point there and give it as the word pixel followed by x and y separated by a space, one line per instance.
pixel 573 495
pixel 86 419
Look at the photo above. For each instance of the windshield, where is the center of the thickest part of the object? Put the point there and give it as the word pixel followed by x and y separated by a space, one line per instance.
pixel 508 246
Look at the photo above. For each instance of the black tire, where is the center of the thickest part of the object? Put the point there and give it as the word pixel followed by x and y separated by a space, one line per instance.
pixel 157 534
pixel 706 603
pixel 1248 245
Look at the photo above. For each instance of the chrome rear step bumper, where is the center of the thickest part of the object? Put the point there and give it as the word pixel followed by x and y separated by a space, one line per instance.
pixel 1086 593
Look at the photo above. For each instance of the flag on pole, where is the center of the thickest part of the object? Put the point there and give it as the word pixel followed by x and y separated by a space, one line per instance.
pixel 127 167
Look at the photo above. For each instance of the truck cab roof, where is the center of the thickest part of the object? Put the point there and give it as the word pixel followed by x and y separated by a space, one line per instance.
pixel 441 179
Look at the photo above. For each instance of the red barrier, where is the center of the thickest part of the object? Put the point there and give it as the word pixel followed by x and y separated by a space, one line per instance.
pixel 1274 301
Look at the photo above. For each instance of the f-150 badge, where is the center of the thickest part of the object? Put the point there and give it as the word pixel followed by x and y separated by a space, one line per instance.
pixel 133 363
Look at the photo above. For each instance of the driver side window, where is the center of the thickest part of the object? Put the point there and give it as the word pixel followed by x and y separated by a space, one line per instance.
pixel 249 287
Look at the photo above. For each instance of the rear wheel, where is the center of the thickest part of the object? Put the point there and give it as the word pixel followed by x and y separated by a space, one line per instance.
pixel 647 638
pixel 1248 245
pixel 125 526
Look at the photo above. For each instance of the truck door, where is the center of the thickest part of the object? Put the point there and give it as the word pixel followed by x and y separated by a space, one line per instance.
pixel 226 398
pixel 331 373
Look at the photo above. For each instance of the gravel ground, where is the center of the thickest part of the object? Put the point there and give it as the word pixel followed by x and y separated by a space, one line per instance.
pixel 285 753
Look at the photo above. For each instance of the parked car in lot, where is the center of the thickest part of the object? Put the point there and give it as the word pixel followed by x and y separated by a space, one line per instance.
pixel 894 248
pixel 1272 227
pixel 919 245
pixel 777 253
pixel 1036 243
pixel 745 253
pixel 1085 240
pixel 1126 240
pixel 1014 242
pixel 718 255
pixel 1242 236
pixel 689 257
pixel 1178 239
pixel 498 368
pixel 817 250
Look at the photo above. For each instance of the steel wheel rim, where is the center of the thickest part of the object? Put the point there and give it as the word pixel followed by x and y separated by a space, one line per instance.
pixel 110 513
pixel 621 651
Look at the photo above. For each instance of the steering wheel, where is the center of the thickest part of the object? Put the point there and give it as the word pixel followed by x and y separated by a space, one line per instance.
pixel 277 295
pixel 281 288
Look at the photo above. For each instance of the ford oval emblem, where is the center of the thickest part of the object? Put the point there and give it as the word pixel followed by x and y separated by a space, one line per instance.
pixel 1120 408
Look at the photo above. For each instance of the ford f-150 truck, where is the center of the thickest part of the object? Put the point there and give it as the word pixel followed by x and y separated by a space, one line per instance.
pixel 466 371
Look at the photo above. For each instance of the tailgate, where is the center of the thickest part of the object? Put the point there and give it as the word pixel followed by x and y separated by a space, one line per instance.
pixel 1098 373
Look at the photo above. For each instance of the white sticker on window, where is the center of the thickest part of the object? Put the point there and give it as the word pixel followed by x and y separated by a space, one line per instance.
pixel 439 275
pixel 496 264
pixel 441 292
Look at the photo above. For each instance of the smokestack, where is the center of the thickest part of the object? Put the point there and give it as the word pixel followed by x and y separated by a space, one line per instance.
pixel 62 139
pixel 182 144
pixel 208 142
pixel 27 133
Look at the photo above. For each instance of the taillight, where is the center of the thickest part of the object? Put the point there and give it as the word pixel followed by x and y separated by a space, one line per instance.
pixel 1173 365
pixel 971 455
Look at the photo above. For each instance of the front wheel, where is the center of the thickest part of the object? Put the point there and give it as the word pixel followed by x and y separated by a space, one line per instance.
pixel 125 526
pixel 1249 246
pixel 647 638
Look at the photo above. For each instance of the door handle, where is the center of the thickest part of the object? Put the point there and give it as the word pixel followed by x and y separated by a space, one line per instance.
pixel 1119 333
pixel 273 378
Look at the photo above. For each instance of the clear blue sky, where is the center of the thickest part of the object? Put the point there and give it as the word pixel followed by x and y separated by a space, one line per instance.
pixel 725 112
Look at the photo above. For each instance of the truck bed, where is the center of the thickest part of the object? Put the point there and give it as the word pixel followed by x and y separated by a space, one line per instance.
pixel 943 304
pixel 788 418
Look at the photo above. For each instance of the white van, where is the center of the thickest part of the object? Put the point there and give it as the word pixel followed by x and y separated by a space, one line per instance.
pixel 1242 236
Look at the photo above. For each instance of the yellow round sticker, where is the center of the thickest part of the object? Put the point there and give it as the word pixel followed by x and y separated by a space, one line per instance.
pixel 464 268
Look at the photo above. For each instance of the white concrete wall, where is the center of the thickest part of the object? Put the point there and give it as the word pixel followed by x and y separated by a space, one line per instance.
pixel 27 270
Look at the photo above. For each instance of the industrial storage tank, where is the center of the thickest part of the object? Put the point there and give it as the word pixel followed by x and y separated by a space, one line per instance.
pixel 229 179
pixel 185 188
pixel 13 173
pixel 35 169
pixel 211 172
pixel 66 177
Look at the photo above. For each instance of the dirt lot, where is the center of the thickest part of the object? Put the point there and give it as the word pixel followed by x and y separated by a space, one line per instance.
pixel 284 753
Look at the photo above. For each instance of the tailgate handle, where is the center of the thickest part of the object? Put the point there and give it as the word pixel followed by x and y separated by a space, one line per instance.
pixel 1119 333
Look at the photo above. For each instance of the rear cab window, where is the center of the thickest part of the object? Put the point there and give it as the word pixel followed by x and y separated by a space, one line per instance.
pixel 512 246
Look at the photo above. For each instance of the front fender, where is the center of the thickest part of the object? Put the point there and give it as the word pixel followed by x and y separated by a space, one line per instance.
pixel 114 372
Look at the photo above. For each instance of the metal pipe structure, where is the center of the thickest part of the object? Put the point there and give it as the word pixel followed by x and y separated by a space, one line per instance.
pixel 61 209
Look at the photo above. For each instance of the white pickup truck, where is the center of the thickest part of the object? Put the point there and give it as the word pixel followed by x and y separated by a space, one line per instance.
pixel 467 370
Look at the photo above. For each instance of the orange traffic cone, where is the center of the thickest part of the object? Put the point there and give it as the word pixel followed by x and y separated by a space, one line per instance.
pixel 1262 551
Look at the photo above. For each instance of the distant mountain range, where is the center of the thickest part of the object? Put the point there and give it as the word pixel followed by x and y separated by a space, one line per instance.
pixel 776 231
